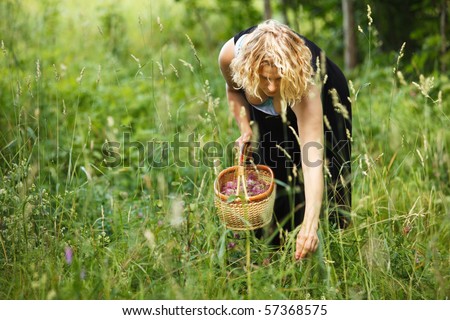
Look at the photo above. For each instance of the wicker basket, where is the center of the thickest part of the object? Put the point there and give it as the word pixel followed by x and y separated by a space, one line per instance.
pixel 245 213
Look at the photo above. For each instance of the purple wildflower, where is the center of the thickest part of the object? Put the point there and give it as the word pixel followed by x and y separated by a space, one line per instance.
pixel 231 245
pixel 69 254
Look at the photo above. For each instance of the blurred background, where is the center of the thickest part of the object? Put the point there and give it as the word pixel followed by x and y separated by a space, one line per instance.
pixel 96 204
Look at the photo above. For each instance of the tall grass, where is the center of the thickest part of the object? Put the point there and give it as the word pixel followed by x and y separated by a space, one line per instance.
pixel 74 225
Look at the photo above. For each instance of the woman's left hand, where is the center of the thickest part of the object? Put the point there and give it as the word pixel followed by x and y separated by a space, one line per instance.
pixel 307 241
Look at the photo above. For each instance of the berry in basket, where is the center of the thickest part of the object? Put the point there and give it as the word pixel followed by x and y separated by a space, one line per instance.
pixel 254 186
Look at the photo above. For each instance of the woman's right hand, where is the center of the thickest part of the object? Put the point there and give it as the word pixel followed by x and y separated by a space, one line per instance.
pixel 246 136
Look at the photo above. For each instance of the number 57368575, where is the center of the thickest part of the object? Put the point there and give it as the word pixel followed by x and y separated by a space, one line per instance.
pixel 299 310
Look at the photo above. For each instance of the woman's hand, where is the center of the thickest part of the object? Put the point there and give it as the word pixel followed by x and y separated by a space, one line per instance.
pixel 307 241
pixel 246 136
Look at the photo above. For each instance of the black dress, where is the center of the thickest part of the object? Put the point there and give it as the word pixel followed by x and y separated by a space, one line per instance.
pixel 290 201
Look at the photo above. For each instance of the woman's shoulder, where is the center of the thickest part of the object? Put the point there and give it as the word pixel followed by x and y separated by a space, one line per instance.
pixel 226 53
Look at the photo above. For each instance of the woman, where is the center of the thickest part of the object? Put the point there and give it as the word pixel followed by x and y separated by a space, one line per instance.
pixel 291 99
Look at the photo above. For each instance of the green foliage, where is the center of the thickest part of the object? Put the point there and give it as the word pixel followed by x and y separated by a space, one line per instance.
pixel 75 224
pixel 201 17
pixel 114 29
pixel 423 35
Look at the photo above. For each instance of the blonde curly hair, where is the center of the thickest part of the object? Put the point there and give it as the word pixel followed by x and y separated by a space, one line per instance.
pixel 275 44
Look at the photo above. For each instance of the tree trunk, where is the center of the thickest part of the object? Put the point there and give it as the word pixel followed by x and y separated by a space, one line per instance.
pixel 443 27
pixel 284 9
pixel 350 49
pixel 267 10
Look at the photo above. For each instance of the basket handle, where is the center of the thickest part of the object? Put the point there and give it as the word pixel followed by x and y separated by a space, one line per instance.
pixel 241 164
pixel 243 153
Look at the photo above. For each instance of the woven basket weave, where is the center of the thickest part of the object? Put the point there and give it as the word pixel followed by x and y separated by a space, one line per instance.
pixel 245 213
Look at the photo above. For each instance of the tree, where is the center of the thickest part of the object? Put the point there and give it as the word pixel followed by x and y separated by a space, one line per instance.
pixel 350 48
pixel 442 28
pixel 267 10
pixel 422 24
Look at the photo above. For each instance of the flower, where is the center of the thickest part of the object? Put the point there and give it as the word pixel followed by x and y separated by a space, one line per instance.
pixel 69 254
pixel 231 245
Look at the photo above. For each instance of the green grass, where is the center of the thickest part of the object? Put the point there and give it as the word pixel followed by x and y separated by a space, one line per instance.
pixel 147 228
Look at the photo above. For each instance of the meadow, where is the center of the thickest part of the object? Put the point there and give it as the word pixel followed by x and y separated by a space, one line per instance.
pixel 96 204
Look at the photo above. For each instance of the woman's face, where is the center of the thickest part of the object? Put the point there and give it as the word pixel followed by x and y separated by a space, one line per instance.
pixel 269 80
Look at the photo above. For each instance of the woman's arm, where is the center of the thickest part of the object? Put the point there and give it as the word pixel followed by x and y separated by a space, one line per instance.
pixel 309 114
pixel 236 99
